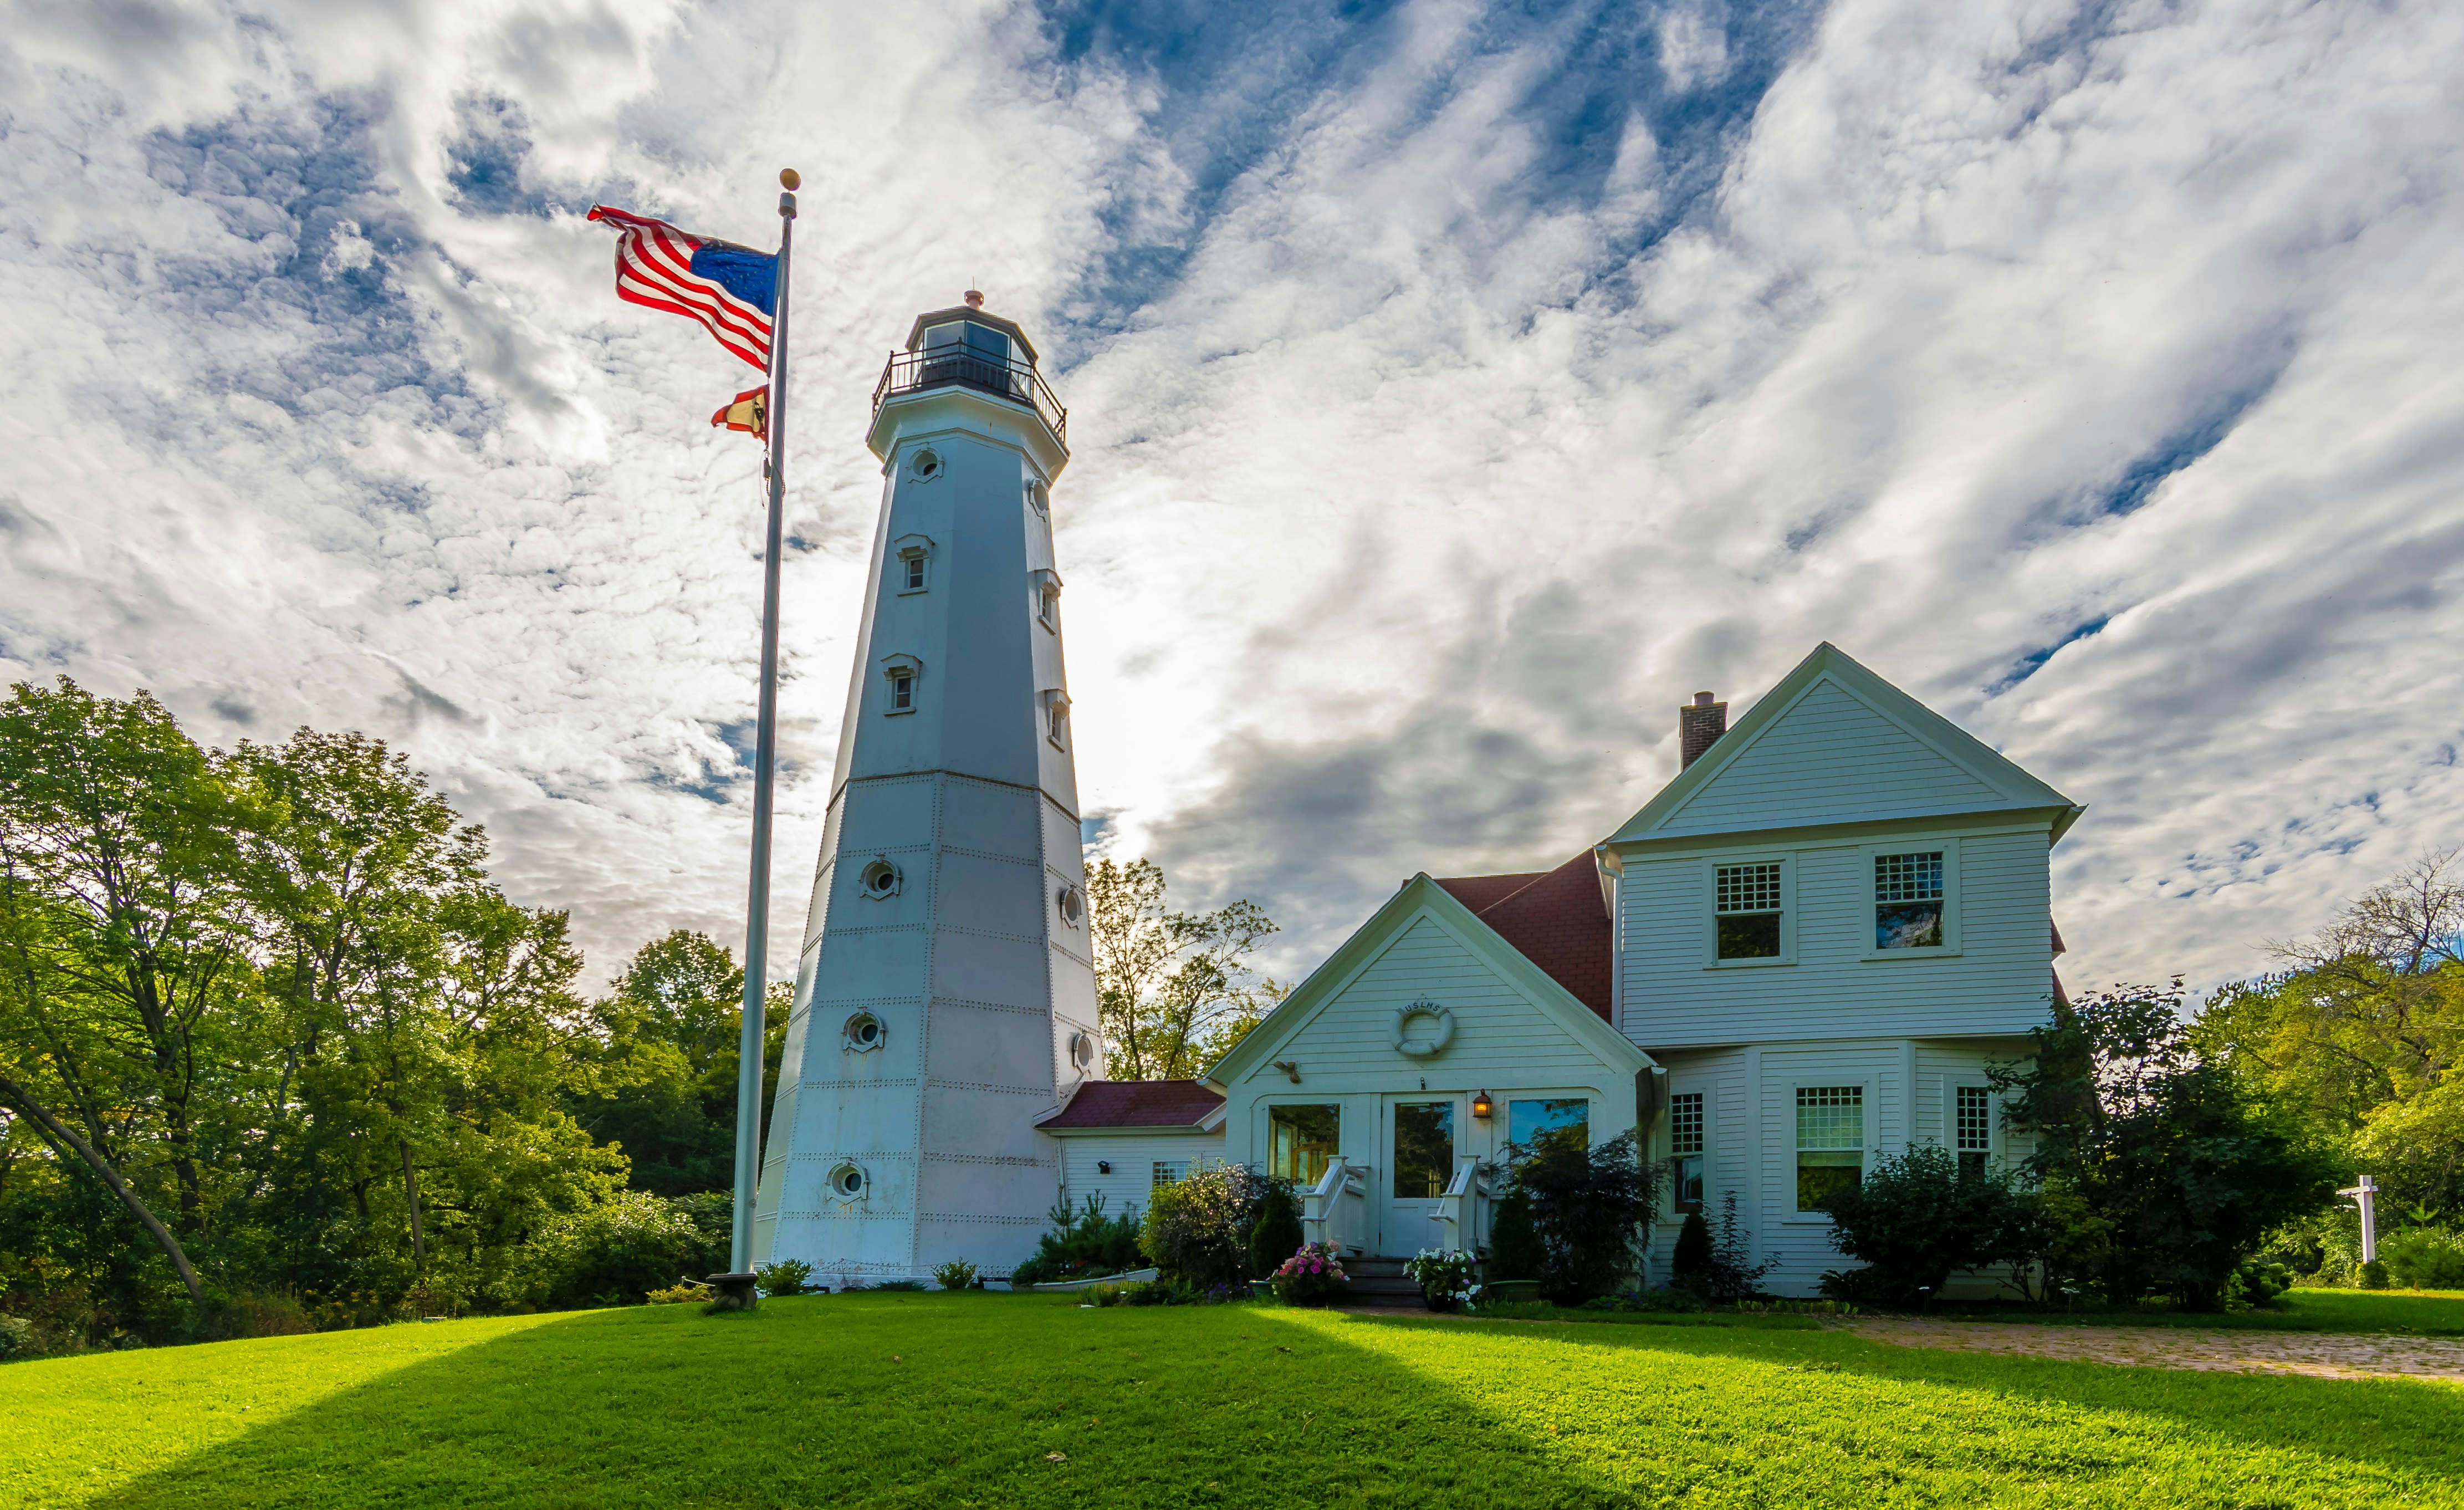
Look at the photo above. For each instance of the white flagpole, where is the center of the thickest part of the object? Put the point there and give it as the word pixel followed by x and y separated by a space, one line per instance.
pixel 766 747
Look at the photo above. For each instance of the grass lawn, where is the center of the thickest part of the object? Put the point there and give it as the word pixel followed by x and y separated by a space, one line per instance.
pixel 2420 1313
pixel 939 1400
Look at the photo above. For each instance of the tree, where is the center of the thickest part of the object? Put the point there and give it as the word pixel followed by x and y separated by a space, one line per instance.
pixel 1588 1208
pixel 2160 1145
pixel 1176 990
pixel 1915 1217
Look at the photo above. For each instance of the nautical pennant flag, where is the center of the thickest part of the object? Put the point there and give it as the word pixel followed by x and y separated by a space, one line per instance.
pixel 750 412
pixel 730 289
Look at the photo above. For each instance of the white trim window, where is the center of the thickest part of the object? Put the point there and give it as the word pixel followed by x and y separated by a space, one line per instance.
pixel 1915 898
pixel 914 563
pixel 903 673
pixel 1168 1172
pixel 1830 1142
pixel 1749 913
pixel 1044 598
pixel 1685 1152
pixel 1973 1128
pixel 1056 718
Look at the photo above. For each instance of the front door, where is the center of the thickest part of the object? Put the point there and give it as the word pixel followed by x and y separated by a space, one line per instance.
pixel 1420 1165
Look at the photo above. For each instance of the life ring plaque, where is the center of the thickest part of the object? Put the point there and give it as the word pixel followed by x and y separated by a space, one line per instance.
pixel 1422 1030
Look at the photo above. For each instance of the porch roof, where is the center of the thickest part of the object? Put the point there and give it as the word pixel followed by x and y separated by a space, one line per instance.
pixel 1560 920
pixel 1136 1103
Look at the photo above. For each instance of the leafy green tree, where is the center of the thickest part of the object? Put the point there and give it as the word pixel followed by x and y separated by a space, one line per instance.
pixel 2160 1145
pixel 1587 1206
pixel 1176 990
pixel 667 1089
pixel 1916 1216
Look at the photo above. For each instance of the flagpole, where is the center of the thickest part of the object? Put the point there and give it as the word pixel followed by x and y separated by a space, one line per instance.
pixel 766 747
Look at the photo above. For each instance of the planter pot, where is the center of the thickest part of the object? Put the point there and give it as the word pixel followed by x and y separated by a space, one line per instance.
pixel 1262 1289
pixel 1440 1303
pixel 1510 1292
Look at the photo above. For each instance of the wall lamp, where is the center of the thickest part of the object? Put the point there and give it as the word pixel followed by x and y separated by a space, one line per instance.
pixel 1481 1105
pixel 1103 1166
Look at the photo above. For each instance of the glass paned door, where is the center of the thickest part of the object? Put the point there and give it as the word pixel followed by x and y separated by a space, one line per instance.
pixel 1422 1159
pixel 1301 1140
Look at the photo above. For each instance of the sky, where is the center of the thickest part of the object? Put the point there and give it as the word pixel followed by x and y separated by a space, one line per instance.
pixel 1454 390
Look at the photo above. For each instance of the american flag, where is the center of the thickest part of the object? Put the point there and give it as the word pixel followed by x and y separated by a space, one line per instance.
pixel 730 289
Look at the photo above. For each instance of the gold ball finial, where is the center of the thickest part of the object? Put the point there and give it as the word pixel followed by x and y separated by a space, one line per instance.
pixel 975 300
pixel 790 179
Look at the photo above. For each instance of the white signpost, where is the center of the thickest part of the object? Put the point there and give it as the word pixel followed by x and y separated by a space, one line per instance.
pixel 2365 1195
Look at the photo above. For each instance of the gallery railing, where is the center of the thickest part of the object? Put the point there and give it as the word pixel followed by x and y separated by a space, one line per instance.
pixel 964 367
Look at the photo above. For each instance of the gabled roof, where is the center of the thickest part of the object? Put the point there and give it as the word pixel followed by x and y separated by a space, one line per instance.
pixel 1422 897
pixel 1994 782
pixel 1136 1103
pixel 1559 919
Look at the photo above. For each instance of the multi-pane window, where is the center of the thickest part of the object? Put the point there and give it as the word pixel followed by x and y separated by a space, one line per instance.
pixel 1830 1142
pixel 914 565
pixel 902 692
pixel 1170 1171
pixel 1685 1149
pixel 1300 1140
pixel 1907 900
pixel 1973 1128
pixel 1747 910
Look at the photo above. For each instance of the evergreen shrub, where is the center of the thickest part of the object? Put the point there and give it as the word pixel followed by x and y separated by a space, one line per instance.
pixel 1083 1241
pixel 2424 1258
pixel 1277 1235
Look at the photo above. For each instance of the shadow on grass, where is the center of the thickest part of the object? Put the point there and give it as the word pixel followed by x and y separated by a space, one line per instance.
pixel 2402 1426
pixel 893 1400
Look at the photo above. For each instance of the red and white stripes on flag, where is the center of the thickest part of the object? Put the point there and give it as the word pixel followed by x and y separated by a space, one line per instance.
pixel 729 289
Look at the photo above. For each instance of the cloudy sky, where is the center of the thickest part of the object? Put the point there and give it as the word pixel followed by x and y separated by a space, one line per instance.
pixel 1454 390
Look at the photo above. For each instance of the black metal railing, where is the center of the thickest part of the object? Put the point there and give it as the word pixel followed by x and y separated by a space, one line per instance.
pixel 946 367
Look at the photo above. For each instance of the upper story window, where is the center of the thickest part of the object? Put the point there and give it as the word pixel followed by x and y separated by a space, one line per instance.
pixel 1749 907
pixel 1045 598
pixel 1908 900
pixel 1830 1142
pixel 903 673
pixel 913 564
pixel 1973 1128
pixel 1685 1150
pixel 1056 718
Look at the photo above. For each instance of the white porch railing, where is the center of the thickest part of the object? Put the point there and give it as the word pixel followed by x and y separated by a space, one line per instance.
pixel 1463 1212
pixel 1336 1209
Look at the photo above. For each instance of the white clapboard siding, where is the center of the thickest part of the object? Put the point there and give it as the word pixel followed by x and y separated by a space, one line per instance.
pixel 1132 1156
pixel 1999 983
pixel 1831 759
pixel 1503 1043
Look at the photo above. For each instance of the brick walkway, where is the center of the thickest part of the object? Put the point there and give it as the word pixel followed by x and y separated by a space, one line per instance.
pixel 2328 1356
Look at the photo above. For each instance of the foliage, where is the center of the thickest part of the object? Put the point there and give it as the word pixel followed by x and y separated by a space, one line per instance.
pixel 2424 1258
pixel 1588 1205
pixel 1176 990
pixel 622 1408
pixel 1689 1258
pixel 684 1292
pixel 1310 1275
pixel 614 1254
pixel 956 1274
pixel 1655 1301
pixel 16 1337
pixel 782 1277
pixel 2160 1143
pixel 1197 1227
pixel 1915 1217
pixel 1514 1250
pixel 1730 1274
pixel 1446 1277
pixel 2361 1034
pixel 1083 1241
pixel 1278 1234
pixel 2372 1275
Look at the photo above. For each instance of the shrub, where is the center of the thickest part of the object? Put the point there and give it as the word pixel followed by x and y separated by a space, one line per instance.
pixel 684 1292
pixel 1310 1275
pixel 1083 1241
pixel 1913 1219
pixel 615 1253
pixel 1514 1250
pixel 1651 1301
pixel 1587 1206
pixel 783 1276
pixel 1689 1262
pixel 2424 1258
pixel 1731 1276
pixel 2372 1275
pixel 898 1285
pixel 1278 1234
pixel 257 1316
pixel 16 1337
pixel 1197 1229
pixel 956 1274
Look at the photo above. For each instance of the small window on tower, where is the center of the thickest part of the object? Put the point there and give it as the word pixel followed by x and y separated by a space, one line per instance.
pixel 902 671
pixel 1056 718
pixel 913 567
pixel 1044 597
pixel 914 573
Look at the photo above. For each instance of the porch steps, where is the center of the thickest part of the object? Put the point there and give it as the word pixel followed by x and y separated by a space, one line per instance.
pixel 1380 1277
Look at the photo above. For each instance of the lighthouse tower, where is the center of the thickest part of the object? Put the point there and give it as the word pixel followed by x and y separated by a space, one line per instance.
pixel 946 994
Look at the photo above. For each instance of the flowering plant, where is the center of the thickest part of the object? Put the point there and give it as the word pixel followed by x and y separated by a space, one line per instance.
pixel 1311 1275
pixel 1444 1275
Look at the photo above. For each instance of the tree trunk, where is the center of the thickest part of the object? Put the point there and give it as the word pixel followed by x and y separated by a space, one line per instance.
pixel 17 1095
pixel 411 1194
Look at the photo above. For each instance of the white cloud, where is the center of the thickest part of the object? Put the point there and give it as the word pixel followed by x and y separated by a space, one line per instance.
pixel 1450 399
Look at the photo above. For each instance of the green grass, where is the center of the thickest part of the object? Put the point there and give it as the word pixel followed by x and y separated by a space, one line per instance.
pixel 937 1400
pixel 2419 1313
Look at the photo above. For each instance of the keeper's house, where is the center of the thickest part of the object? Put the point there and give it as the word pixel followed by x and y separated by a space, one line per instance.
pixel 1804 952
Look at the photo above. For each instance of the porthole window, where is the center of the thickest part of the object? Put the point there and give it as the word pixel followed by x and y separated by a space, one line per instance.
pixel 863 1033
pixel 880 878
pixel 1081 1051
pixel 1072 903
pixel 847 1182
pixel 926 466
pixel 1039 496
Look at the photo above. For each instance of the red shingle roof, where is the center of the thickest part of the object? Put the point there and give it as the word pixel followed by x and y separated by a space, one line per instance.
pixel 1136 1103
pixel 1559 919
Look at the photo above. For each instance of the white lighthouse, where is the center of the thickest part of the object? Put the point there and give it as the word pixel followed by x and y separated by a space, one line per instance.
pixel 945 993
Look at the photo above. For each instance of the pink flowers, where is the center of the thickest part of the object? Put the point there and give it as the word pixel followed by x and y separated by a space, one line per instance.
pixel 1309 1274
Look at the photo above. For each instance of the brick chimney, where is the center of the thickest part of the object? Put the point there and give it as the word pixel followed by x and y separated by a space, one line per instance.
pixel 1698 727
